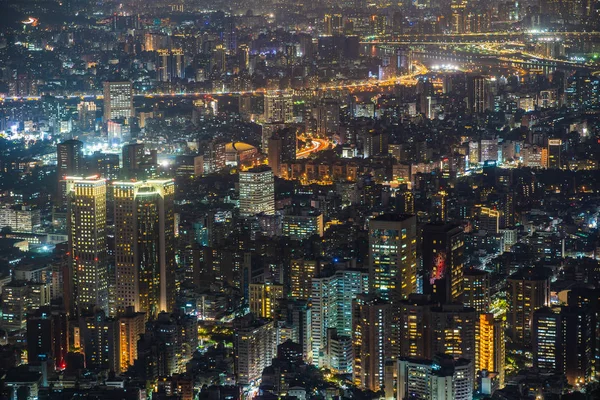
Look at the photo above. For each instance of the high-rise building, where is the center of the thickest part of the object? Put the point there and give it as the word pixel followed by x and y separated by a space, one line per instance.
pixel 298 315
pixel 554 152
pixel 254 346
pixel 338 353
pixel 88 283
pixel 562 341
pixel 479 94
pixel 528 291
pixel 131 327
pixel 372 324
pixel 453 329
pixel 327 116
pixel 489 220
pixel 546 330
pixel 442 378
pixel 132 156
pixel 257 191
pixel 118 100
pixel 300 224
pixel 392 256
pixel 16 302
pixel 278 107
pixel 301 275
pixel 145 246
pixel 264 298
pixel 100 340
pixel 105 164
pixel 414 321
pixel 476 286
pixel 47 336
pixel 490 350
pixel 69 163
pixel 443 247
pixel 275 154
pixel 170 65
pixel 332 296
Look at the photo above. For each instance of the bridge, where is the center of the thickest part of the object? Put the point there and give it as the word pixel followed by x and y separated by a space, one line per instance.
pixel 487 37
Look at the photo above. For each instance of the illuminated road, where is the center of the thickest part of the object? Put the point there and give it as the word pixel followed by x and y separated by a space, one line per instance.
pixel 371 84
pixel 317 145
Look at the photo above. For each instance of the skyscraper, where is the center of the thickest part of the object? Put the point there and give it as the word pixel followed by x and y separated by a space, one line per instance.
pixel 87 243
pixel 170 64
pixel 562 340
pixel 278 107
pixel 478 94
pixel 476 289
pixel 131 327
pixel 443 246
pixel 489 220
pixel 144 246
pixel 257 191
pixel 118 100
pixel 69 156
pixel 254 346
pixel 453 329
pixel 490 350
pixel 301 274
pixel 332 295
pixel 371 327
pixel 392 256
pixel 264 298
pixel 528 291
pixel 554 151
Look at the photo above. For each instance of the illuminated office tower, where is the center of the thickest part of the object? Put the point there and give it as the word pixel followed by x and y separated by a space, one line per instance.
pixel 16 302
pixel 87 244
pixel 479 94
pixel 554 150
pixel 327 115
pixel 332 296
pixel 545 338
pixel 100 339
pixel 393 256
pixel 254 346
pixel 528 291
pixel 414 316
pixel 118 100
pixel 145 246
pixel 170 65
pixel 476 289
pixel 257 192
pixel 473 154
pixel 371 321
pixel 300 224
pixel 453 329
pixel 298 315
pixel 264 298
pixel 443 247
pixel 489 220
pixel 440 378
pixel 131 326
pixel 488 150
pixel 562 341
pixel 439 203
pixel 278 107
pixel 69 155
pixel 301 275
pixel 490 350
